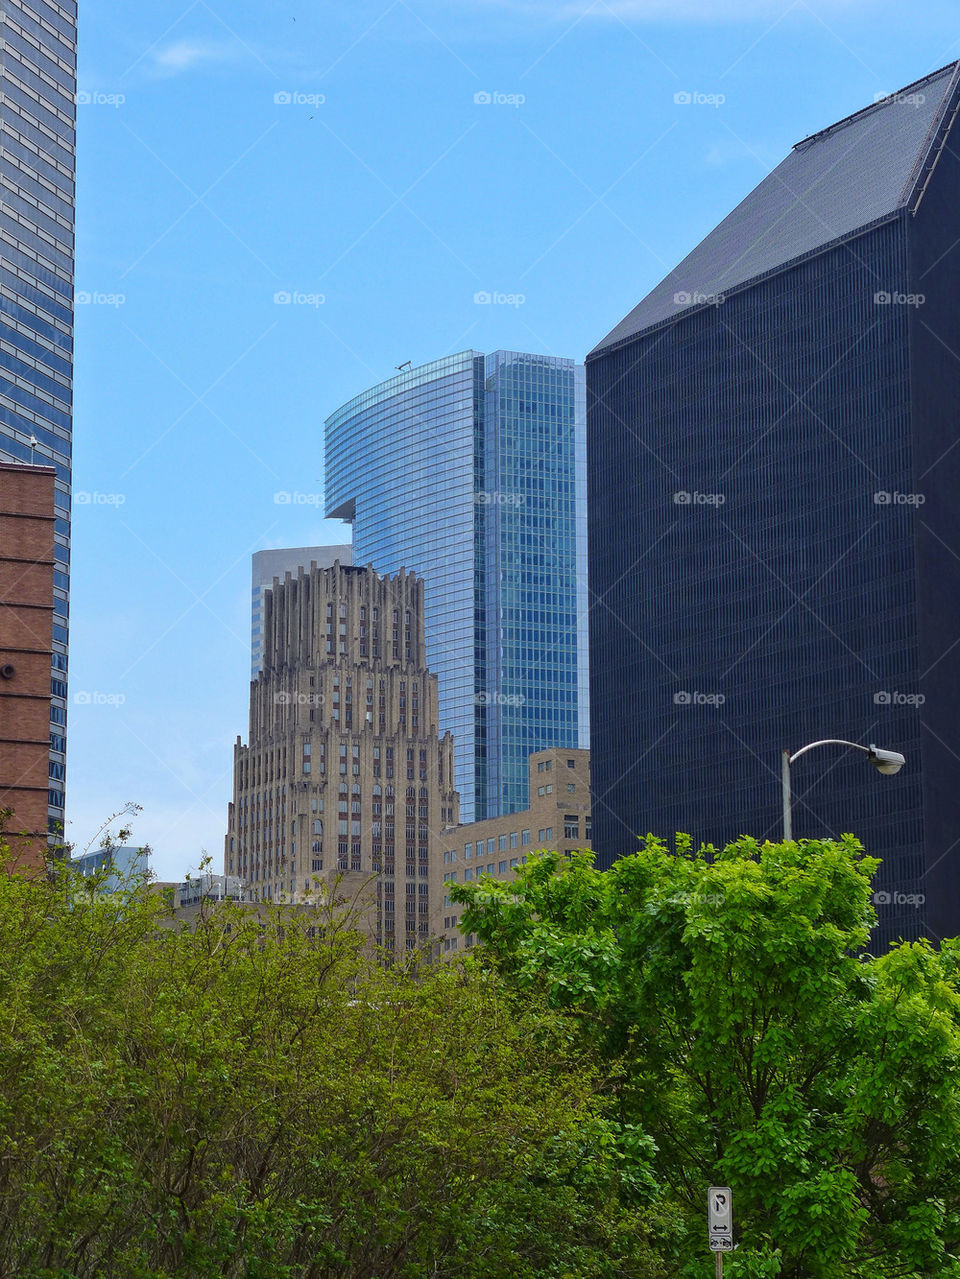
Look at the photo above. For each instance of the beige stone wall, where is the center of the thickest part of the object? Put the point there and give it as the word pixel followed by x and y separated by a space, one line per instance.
pixel 558 819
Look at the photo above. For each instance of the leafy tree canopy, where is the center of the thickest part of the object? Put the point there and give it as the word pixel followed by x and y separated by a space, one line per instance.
pixel 252 1096
pixel 752 1038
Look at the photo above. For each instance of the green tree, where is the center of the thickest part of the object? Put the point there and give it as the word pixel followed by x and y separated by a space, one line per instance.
pixel 252 1096
pixel 752 1037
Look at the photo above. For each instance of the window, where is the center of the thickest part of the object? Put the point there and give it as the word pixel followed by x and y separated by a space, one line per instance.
pixel 514 863
pixel 489 846
pixel 468 873
pixel 525 837
pixel 540 767
pixel 571 763
pixel 549 765
pixel 514 838
pixel 540 790
pixel 501 843
pixel 549 790
pixel 571 787
pixel 467 851
pixel 502 868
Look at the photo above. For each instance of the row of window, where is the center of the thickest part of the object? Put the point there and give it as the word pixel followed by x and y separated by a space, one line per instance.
pixel 493 844
pixel 493 868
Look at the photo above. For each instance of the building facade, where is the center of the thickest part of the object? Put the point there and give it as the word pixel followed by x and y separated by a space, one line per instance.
pixel 207 887
pixel 471 471
pixel 38 85
pixel 27 566
pixel 775 551
pixel 121 866
pixel 345 773
pixel 266 566
pixel 558 818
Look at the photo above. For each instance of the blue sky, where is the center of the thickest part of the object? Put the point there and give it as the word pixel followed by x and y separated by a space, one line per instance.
pixel 339 153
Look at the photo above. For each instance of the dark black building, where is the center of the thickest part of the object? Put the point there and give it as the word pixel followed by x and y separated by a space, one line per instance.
pixel 774 497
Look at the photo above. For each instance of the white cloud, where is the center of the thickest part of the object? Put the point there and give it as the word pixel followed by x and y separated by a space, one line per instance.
pixel 184 55
pixel 726 151
pixel 672 10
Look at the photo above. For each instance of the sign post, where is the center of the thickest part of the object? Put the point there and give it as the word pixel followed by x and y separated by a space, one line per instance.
pixel 720 1223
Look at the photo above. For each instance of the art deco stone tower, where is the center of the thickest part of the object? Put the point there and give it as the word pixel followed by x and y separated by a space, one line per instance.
pixel 345 778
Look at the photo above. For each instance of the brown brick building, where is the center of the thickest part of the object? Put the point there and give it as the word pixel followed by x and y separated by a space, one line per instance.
pixel 26 618
pixel 558 819
pixel 345 780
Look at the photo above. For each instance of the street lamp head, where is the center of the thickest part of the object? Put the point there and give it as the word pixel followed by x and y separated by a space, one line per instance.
pixel 888 762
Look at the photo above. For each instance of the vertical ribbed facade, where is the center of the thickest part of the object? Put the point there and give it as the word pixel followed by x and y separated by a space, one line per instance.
pixel 775 550
pixel 265 566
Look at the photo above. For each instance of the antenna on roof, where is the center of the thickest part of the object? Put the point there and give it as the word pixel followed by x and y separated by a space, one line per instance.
pixel 405 365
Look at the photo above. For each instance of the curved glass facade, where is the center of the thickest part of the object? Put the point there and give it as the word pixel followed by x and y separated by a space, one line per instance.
pixel 37 166
pixel 471 471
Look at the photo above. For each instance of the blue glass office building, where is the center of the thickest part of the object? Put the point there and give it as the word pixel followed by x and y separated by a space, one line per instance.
pixel 471 472
pixel 774 482
pixel 38 61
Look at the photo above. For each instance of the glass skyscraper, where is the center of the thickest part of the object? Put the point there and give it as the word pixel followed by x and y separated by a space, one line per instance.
pixel 471 471
pixel 38 62
pixel 774 531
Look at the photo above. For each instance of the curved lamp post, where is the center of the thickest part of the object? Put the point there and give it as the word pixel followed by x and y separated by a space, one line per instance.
pixel 888 762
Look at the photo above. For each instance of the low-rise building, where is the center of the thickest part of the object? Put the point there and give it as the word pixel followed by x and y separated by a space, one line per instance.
pixel 208 888
pixel 119 865
pixel 558 819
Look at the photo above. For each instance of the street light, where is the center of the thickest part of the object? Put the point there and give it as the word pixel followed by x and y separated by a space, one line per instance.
pixel 888 762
